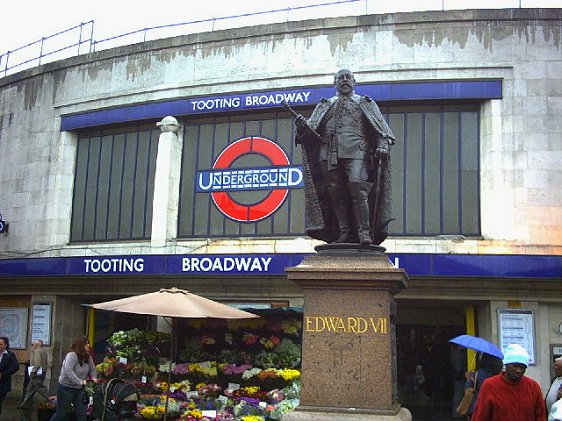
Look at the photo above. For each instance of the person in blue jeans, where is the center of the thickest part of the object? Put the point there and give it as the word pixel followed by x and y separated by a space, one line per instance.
pixel 76 368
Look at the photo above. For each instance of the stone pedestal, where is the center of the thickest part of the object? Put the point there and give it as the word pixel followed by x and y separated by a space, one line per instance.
pixel 349 349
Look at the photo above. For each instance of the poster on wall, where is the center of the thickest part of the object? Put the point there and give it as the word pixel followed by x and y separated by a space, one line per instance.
pixel 13 325
pixel 517 327
pixel 41 323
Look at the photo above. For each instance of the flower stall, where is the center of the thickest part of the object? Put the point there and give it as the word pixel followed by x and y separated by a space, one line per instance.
pixel 235 370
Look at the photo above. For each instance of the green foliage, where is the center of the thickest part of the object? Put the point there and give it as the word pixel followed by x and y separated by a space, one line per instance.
pixel 266 359
pixel 289 354
pixel 136 344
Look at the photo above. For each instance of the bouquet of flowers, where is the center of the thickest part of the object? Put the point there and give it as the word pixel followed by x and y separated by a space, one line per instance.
pixel 155 408
pixel 271 342
pixel 208 390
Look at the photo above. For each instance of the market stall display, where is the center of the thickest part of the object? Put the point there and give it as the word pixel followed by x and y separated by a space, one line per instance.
pixel 225 370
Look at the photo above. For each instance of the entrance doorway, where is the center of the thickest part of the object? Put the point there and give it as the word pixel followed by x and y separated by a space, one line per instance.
pixel 426 371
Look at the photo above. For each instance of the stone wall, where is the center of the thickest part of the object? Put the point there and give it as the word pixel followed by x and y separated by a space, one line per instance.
pixel 521 201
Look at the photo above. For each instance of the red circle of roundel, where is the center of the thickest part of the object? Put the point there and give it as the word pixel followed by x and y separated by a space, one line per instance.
pixel 263 209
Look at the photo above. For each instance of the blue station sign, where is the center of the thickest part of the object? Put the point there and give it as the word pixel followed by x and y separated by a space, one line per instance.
pixel 435 265
pixel 407 91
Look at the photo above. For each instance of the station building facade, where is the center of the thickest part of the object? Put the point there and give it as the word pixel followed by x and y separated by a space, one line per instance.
pixel 172 163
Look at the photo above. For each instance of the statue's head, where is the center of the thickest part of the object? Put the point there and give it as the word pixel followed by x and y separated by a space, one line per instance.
pixel 344 82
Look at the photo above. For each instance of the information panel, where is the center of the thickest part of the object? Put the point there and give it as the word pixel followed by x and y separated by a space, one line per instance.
pixel 517 327
pixel 41 323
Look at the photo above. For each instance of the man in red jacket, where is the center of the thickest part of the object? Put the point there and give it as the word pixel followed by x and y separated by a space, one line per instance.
pixel 510 396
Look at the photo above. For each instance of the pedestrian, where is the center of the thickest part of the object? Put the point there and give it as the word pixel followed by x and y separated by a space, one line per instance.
pixel 555 412
pixel 457 362
pixel 511 396
pixel 553 393
pixel 486 366
pixel 37 373
pixel 8 366
pixel 346 144
pixel 76 368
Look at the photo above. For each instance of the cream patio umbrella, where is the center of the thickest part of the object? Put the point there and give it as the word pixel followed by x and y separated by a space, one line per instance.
pixel 174 303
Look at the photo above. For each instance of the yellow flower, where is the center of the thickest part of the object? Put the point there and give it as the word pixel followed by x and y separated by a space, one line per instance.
pixel 195 413
pixel 250 390
pixel 152 412
pixel 289 374
pixel 252 418
pixel 162 386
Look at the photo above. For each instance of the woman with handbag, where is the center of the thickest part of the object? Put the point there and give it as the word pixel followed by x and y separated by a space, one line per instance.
pixel 487 366
pixel 76 368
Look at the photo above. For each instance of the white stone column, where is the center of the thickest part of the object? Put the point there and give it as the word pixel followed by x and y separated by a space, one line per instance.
pixel 166 183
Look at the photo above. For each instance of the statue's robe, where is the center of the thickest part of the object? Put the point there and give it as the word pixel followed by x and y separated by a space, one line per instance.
pixel 320 221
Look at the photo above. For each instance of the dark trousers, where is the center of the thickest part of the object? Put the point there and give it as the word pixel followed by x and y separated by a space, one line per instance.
pixel 66 396
pixel 36 385
pixel 2 396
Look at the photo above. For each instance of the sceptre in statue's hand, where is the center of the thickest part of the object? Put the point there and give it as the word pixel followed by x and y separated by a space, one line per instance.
pixel 300 120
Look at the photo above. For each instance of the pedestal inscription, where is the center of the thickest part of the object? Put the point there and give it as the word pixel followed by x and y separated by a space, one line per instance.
pixel 349 355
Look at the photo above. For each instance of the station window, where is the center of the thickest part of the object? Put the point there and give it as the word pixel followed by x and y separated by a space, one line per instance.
pixel 114 184
pixel 435 172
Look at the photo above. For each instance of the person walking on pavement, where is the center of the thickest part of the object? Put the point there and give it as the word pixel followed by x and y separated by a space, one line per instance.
pixel 76 368
pixel 37 373
pixel 487 366
pixel 8 366
pixel 554 390
pixel 511 396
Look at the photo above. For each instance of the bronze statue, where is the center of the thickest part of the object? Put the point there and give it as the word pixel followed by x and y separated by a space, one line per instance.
pixel 346 161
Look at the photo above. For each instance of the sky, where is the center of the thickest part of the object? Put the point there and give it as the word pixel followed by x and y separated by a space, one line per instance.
pixel 26 21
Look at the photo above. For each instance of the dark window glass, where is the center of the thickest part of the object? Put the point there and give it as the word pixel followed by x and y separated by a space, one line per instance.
pixel 114 184
pixel 435 172
pixel 204 140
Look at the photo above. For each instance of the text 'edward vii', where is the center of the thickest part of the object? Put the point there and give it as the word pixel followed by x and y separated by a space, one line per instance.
pixel 335 324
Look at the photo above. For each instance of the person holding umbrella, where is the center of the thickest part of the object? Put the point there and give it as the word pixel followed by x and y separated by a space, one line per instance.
pixel 486 366
pixel 511 396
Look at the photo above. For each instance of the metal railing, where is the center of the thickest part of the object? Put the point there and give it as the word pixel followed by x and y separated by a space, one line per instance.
pixel 39 52
pixel 61 45
pixel 214 21
pixel 34 53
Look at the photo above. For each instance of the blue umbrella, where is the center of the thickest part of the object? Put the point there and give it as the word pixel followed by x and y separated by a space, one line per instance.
pixel 477 344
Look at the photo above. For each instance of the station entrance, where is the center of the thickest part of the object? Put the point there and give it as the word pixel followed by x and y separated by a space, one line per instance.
pixel 427 363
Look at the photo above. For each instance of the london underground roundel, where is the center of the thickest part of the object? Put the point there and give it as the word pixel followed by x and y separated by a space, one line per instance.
pixel 222 180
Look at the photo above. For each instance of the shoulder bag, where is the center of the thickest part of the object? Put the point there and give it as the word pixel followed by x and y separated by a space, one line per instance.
pixel 463 407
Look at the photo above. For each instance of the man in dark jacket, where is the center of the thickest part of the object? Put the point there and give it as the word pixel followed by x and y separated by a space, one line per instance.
pixel 346 162
pixel 8 366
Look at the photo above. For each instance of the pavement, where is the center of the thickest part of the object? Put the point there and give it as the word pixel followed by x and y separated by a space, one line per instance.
pixel 10 411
